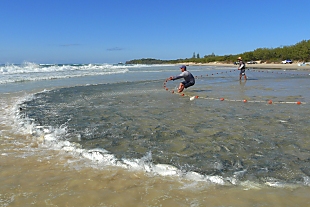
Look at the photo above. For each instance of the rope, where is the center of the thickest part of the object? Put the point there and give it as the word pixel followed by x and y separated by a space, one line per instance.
pixel 234 100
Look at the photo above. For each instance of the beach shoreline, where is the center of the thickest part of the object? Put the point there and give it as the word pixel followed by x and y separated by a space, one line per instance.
pixel 293 66
pixel 228 133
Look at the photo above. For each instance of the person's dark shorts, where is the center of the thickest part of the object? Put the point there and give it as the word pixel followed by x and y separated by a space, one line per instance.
pixel 188 84
pixel 242 72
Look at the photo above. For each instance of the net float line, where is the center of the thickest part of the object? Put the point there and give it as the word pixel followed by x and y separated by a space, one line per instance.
pixel 279 72
pixel 252 70
pixel 245 101
pixel 232 100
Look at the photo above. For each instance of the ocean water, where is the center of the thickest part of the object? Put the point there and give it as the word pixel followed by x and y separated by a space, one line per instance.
pixel 120 135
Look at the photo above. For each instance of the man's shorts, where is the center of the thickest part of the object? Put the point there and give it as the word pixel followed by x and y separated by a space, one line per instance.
pixel 242 72
pixel 188 84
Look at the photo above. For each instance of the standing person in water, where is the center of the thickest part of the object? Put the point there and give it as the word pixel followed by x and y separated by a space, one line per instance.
pixel 241 67
pixel 189 79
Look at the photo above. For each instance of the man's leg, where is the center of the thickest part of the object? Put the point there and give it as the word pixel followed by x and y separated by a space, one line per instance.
pixel 181 88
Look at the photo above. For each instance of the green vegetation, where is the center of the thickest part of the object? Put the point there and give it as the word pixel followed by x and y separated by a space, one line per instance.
pixel 299 52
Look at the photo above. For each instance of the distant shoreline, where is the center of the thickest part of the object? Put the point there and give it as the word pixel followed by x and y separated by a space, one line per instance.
pixel 293 66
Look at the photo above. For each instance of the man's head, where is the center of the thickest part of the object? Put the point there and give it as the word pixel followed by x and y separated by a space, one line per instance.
pixel 183 67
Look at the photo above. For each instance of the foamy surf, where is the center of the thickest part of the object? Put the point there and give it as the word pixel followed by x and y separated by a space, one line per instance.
pixel 51 138
pixel 212 149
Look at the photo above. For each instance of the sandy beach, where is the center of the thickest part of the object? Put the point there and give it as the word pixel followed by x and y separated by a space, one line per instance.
pixel 111 136
pixel 293 66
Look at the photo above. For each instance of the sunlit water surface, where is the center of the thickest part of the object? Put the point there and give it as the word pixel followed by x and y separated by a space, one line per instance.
pixel 134 143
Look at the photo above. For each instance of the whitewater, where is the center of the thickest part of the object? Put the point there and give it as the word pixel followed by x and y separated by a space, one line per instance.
pixel 118 135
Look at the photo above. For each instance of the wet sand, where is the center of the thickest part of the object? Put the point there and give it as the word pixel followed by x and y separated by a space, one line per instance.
pixel 293 66
pixel 31 176
pixel 31 179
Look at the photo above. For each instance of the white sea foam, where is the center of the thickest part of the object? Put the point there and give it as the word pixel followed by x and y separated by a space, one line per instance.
pixel 52 138
pixel 28 71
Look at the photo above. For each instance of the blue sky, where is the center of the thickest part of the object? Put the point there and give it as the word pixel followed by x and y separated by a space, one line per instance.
pixel 111 31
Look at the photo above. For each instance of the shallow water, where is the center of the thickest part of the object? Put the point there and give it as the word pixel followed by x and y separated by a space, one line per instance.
pixel 226 153
pixel 132 119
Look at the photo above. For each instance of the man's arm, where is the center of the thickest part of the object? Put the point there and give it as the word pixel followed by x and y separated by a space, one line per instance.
pixel 179 76
pixel 241 65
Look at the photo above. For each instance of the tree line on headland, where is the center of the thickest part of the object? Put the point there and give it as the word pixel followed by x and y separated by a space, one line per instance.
pixel 299 52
